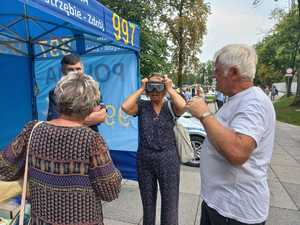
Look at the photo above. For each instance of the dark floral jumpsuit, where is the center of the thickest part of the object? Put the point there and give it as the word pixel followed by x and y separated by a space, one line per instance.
pixel 157 162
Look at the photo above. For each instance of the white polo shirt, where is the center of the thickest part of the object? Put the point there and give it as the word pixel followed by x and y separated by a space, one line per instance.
pixel 241 192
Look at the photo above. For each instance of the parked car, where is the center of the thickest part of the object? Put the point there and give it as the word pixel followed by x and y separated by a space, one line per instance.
pixel 197 136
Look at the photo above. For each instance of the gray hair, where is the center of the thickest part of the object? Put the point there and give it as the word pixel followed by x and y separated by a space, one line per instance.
pixel 242 56
pixel 76 95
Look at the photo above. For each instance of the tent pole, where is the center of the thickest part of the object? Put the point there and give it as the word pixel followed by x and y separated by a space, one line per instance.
pixel 31 67
pixel 80 44
pixel 34 87
pixel 138 70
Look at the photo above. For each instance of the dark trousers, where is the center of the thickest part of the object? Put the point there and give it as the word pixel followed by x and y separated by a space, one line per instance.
pixel 163 168
pixel 209 216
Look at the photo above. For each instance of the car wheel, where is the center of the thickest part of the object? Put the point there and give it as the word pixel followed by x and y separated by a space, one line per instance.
pixel 197 142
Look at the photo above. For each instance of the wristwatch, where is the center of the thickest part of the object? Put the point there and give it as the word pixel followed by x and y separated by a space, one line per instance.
pixel 204 115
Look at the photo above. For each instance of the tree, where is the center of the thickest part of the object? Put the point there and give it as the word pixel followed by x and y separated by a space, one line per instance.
pixel 276 50
pixel 186 25
pixel 294 54
pixel 154 48
pixel 297 98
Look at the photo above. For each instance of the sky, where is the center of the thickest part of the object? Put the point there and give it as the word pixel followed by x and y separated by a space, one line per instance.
pixel 237 21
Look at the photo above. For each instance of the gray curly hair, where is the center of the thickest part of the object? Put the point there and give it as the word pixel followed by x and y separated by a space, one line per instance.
pixel 76 95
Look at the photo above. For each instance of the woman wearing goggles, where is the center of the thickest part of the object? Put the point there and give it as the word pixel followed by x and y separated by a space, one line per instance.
pixel 154 86
pixel 157 157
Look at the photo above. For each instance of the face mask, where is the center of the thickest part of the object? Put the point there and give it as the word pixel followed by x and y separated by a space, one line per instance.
pixel 155 86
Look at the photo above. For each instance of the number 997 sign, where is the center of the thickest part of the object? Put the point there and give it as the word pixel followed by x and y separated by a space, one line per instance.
pixel 123 30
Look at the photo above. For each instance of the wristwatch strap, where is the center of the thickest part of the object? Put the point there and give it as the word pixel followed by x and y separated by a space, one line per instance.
pixel 204 115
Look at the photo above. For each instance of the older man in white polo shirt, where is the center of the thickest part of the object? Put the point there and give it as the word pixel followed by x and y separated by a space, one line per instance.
pixel 239 143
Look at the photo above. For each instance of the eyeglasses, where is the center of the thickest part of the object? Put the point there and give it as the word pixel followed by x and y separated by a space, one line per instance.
pixel 155 86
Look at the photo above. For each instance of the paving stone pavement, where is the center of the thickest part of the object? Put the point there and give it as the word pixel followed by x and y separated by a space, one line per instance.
pixel 283 179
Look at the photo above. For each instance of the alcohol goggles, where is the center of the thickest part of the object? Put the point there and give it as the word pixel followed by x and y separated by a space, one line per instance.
pixel 155 86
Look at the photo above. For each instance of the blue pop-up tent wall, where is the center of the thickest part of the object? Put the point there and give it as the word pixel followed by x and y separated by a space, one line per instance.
pixel 36 34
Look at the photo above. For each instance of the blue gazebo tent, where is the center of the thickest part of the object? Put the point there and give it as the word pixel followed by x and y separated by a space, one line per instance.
pixel 36 34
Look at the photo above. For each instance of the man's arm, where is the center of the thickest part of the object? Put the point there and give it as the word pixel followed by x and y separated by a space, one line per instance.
pixel 95 118
pixel 235 147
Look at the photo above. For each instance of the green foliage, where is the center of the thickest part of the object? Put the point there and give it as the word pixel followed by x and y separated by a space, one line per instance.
pixel 287 113
pixel 286 37
pixel 202 76
pixel 278 50
pixel 186 25
pixel 154 54
pixel 154 48
pixel 171 34
pixel 206 72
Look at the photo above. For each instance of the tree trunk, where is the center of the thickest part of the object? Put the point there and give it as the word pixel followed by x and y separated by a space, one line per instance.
pixel 180 69
pixel 296 101
pixel 180 53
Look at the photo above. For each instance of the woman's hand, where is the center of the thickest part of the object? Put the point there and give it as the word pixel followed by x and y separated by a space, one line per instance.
pixel 168 83
pixel 144 82
pixel 130 106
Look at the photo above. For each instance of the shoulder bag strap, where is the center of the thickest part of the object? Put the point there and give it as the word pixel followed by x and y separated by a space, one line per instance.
pixel 22 207
pixel 171 110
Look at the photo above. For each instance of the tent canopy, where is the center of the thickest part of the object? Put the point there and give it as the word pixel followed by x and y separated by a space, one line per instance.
pixel 36 34
pixel 34 21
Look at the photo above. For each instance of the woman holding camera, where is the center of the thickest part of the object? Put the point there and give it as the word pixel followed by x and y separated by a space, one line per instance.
pixel 157 157
pixel 70 169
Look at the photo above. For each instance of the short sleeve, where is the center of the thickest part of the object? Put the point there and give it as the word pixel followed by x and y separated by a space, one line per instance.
pixel 251 121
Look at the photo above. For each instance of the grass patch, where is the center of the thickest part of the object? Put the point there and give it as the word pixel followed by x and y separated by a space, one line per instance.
pixel 285 112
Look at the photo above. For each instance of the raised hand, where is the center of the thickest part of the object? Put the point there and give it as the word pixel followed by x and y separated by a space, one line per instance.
pixel 168 83
pixel 144 82
pixel 197 107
